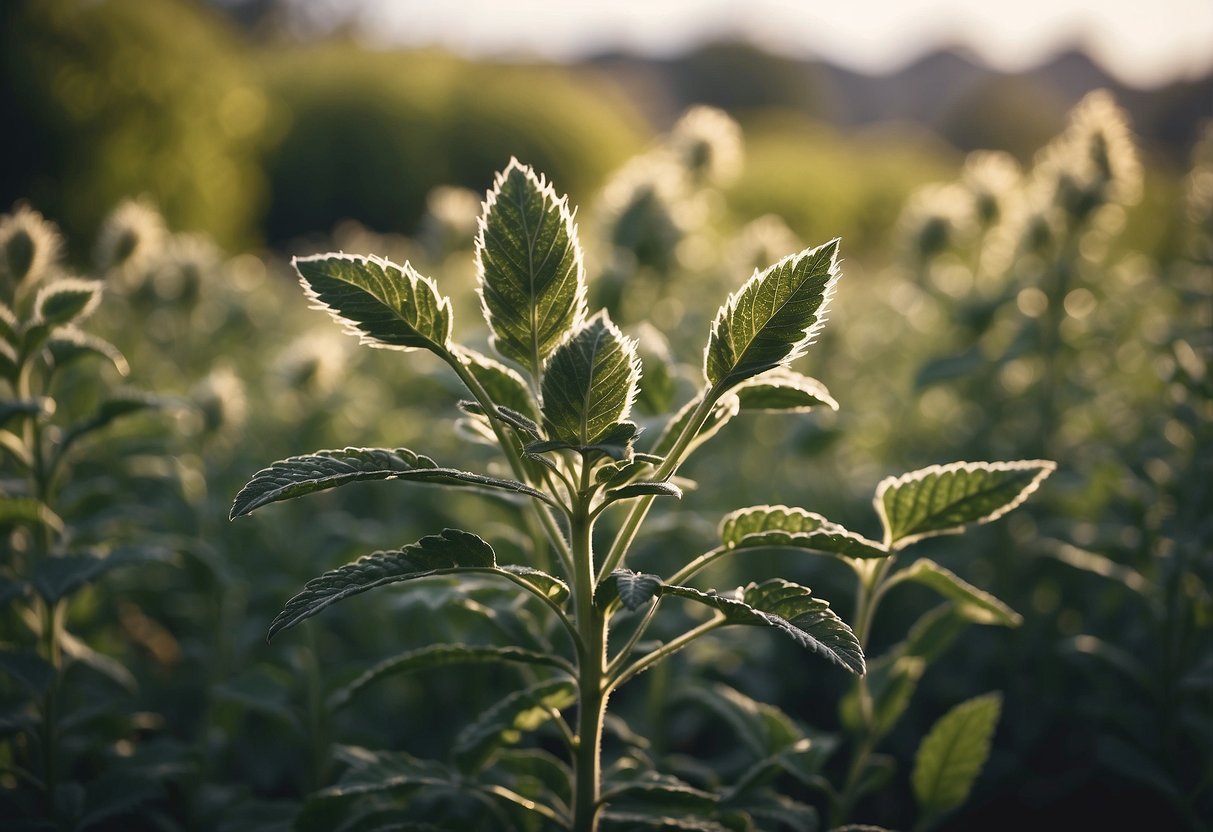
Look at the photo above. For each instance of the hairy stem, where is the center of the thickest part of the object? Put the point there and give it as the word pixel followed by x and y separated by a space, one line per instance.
pixel 591 667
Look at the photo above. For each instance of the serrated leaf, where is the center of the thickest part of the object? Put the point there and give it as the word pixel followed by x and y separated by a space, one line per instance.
pixel 385 305
pixel 765 729
pixel 784 391
pixel 300 475
pixel 437 655
pixel 532 279
pixel 766 526
pixel 548 585
pixel 66 301
pixel 589 382
pixel 645 489
pixel 15 510
pixel 953 753
pixel 32 672
pixel 505 387
pixel 975 604
pixel 68 344
pixel 772 319
pixel 504 723
pixel 10 327
pixel 651 790
pixel 789 608
pixel 384 771
pixel 722 412
pixel 436 554
pixel 524 768
pixel 634 589
pixel 944 499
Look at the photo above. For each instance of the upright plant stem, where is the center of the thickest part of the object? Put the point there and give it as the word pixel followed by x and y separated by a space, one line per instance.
pixel 592 626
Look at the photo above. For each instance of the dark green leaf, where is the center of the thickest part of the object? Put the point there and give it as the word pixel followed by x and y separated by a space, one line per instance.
pixel 772 319
pixel 975 604
pixel 634 589
pixel 548 585
pixel 524 769
pixel 589 382
pixel 763 728
pixel 385 305
pixel 944 499
pixel 300 475
pixel 10 327
pixel 616 443
pixel 39 406
pixel 9 361
pixel 55 578
pixel 631 821
pixel 505 722
pixel 436 554
pixel 789 608
pixel 107 666
pixel 385 771
pixel 532 280
pixel 651 790
pixel 766 526
pixel 645 489
pixel 1129 666
pixel 119 405
pixel 10 590
pixel 436 655
pixel 784 391
pixel 32 672
pixel 68 344
pixel 66 300
pixel 953 754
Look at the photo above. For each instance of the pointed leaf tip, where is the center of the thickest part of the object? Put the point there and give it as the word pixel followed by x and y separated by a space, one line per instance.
pixel 386 305
pixel 772 318
pixel 530 265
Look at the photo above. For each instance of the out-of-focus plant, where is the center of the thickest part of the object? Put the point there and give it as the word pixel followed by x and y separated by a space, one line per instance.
pixel 561 422
pixel 58 540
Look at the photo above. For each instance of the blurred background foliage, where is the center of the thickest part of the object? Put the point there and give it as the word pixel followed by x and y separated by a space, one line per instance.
pixel 992 309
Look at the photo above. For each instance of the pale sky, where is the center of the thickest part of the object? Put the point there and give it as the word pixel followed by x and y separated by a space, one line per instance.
pixel 1143 42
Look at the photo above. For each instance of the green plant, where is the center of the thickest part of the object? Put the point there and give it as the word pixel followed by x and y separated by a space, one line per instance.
pixel 58 540
pixel 574 459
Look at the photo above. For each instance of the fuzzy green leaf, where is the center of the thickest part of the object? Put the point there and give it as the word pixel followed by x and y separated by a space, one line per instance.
pixel 634 589
pixel 504 723
pixel 771 319
pixel 385 305
pixel 616 442
pixel 659 382
pixel 789 608
pixel 546 584
pixel 436 655
pixel 589 382
pixel 952 755
pixel 645 489
pixel 721 414
pixel 300 475
pixel 944 499
pixel 505 387
pixel 68 344
pixel 764 526
pixel 435 554
pixel 532 279
pixel 66 301
pixel 974 604
pixel 784 391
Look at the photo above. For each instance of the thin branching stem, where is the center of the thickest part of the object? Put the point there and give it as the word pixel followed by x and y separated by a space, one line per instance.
pixel 665 651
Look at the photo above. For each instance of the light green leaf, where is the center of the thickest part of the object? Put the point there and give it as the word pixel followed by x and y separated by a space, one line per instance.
pixel 789 608
pixel 772 319
pixel 505 722
pixel 68 344
pixel 722 412
pixel 944 499
pixel 589 382
pixel 532 279
pixel 385 305
pixel 974 604
pixel 436 655
pixel 634 589
pixel 765 526
pixel 66 301
pixel 452 550
pixel 784 391
pixel 504 386
pixel 300 475
pixel 28 510
pixel 10 327
pixel 658 383
pixel 953 754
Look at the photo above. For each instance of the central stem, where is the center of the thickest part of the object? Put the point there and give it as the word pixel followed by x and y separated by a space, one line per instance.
pixel 591 676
